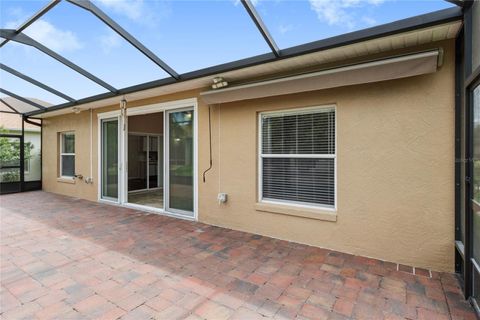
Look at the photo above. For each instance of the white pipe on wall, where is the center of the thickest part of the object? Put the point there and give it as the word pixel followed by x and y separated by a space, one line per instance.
pixel 90 178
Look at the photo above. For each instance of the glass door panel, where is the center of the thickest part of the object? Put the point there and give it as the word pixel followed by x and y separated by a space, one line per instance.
pixel 476 194
pixel 161 162
pixel 137 162
pixel 110 159
pixel 180 161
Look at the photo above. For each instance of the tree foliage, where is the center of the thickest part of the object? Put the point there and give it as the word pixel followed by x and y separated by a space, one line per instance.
pixel 10 156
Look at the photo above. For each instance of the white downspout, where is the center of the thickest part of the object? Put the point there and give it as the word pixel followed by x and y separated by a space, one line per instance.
pixel 90 177
pixel 91 145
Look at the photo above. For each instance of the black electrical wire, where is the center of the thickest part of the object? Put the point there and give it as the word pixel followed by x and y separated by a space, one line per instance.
pixel 210 142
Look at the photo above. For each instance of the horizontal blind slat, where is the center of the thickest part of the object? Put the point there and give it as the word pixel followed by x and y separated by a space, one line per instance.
pixel 299 179
pixel 306 133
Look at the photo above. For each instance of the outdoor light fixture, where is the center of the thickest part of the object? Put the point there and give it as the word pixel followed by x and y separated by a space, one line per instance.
pixel 76 110
pixel 218 83
pixel 123 103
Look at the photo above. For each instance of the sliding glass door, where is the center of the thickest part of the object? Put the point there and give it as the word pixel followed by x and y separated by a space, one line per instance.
pixel 109 154
pixel 147 160
pixel 180 162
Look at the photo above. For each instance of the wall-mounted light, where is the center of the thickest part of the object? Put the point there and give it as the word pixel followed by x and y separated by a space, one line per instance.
pixel 123 103
pixel 76 110
pixel 219 82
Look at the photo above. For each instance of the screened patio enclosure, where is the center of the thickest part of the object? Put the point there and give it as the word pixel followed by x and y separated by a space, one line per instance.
pixel 64 56
pixel 60 37
pixel 70 53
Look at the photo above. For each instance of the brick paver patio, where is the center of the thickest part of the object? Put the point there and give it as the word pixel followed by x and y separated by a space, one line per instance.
pixel 64 258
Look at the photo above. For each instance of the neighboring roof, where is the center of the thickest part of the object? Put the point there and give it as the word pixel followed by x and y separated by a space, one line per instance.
pixel 434 26
pixel 20 106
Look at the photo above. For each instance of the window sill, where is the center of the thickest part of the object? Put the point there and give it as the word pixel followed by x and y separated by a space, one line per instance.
pixel 66 180
pixel 316 214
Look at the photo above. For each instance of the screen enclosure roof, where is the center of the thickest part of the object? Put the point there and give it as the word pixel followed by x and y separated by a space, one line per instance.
pixel 56 55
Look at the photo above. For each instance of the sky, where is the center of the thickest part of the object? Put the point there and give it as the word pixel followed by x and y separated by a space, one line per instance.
pixel 187 35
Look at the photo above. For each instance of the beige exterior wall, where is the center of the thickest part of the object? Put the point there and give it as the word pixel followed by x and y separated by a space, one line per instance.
pixel 395 174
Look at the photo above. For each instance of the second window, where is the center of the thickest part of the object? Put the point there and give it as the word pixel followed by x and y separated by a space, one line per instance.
pixel 67 154
pixel 298 157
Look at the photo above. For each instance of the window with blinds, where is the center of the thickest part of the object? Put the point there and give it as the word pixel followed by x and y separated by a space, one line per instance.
pixel 67 154
pixel 298 156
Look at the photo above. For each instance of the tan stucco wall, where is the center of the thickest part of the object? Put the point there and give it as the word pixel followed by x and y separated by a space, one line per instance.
pixel 80 124
pixel 395 169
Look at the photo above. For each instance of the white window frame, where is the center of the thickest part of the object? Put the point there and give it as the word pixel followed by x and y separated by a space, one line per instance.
pixel 303 156
pixel 61 153
pixel 105 117
pixel 176 105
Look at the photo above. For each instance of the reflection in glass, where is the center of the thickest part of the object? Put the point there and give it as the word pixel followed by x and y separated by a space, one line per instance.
pixel 476 172
pixel 68 143
pixel 476 284
pixel 68 165
pixel 67 155
pixel 32 146
pixel 110 159
pixel 180 126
